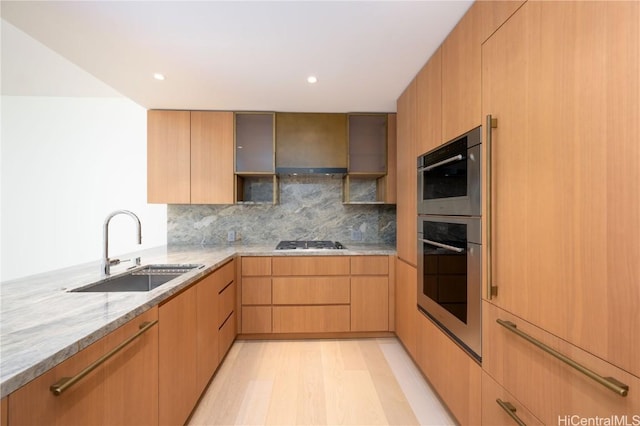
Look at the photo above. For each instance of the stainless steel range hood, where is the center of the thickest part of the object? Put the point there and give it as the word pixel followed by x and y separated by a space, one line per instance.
pixel 311 143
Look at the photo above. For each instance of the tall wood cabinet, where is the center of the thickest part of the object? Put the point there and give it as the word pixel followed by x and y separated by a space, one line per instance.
pixel 429 104
pixel 562 79
pixel 190 157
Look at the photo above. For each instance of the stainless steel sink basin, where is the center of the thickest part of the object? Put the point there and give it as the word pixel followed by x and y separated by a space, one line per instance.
pixel 145 278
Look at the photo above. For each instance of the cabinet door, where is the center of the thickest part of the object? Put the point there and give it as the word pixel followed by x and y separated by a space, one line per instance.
pixel 368 143
pixel 499 406
pixel 177 352
pixel 212 178
pixel 562 79
pixel 429 104
pixel 390 181
pixel 454 374
pixel 255 142
pixel 311 265
pixel 310 290
pixel 406 305
pixel 406 210
pixel 169 157
pixel 122 390
pixel 207 330
pixel 370 303
pixel 461 84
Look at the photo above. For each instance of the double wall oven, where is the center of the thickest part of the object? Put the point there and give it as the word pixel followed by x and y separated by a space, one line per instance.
pixel 449 239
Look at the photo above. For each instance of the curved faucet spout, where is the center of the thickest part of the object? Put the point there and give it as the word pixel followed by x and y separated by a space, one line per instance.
pixel 106 262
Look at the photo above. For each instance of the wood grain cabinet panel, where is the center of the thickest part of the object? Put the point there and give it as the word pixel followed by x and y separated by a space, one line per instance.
pixel 406 299
pixel 178 353
pixel 122 390
pixel 369 265
pixel 311 265
pixel 494 414
pixel 227 334
pixel 4 412
pixel 547 386
pixel 169 157
pixel 406 206
pixel 310 290
pixel 207 329
pixel 212 150
pixel 429 104
pixel 256 291
pixel 226 302
pixel 455 376
pixel 461 76
pixel 256 319
pixel 563 81
pixel 370 303
pixel 256 266
pixel 311 319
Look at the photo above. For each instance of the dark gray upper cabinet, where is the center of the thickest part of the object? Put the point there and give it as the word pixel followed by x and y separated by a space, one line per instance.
pixel 368 143
pixel 255 143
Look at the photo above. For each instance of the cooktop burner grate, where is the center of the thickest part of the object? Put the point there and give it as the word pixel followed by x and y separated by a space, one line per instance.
pixel 309 245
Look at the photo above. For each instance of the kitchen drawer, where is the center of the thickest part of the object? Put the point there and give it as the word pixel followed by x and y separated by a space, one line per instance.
pixel 370 265
pixel 311 265
pixel 493 413
pixel 226 335
pixel 256 291
pixel 311 319
pixel 256 266
pixel 370 303
pixel 256 319
pixel 310 290
pixel 226 302
pixel 550 388
pixel 225 274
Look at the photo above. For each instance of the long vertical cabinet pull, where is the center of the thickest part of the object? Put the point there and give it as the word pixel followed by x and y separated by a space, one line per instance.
pixel 511 411
pixel 492 290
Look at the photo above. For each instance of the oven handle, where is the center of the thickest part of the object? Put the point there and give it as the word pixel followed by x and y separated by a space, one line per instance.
pixel 441 163
pixel 444 246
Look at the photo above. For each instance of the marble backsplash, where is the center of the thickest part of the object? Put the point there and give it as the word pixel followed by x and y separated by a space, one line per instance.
pixel 310 208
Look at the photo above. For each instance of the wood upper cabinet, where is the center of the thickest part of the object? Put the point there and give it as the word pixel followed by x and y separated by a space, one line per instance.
pixel 494 13
pixel 122 390
pixel 429 105
pixel 461 76
pixel 562 79
pixel 190 157
pixel 169 157
pixel 212 178
pixel 406 210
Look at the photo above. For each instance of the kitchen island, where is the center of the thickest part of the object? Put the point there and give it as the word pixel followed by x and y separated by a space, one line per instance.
pixel 43 323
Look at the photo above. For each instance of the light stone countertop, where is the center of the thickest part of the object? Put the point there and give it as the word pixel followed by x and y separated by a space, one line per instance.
pixel 43 324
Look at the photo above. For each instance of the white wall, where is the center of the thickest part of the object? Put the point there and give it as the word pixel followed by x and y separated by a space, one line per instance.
pixel 67 160
pixel 66 164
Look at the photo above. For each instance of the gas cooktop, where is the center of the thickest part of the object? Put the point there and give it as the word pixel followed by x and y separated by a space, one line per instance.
pixel 309 245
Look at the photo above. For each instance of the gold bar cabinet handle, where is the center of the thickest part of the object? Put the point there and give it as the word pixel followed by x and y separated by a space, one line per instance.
pixel 608 382
pixel 66 382
pixel 511 411
pixel 491 123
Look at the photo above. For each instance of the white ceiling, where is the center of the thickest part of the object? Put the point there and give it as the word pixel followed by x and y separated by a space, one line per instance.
pixel 236 55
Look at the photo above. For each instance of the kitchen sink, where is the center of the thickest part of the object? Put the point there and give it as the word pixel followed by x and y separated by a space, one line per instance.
pixel 144 278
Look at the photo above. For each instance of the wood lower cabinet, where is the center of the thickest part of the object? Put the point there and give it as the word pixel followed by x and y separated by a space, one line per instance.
pixel 370 293
pixel 563 81
pixel 315 294
pixel 455 376
pixel 548 387
pixel 197 327
pixel 4 412
pixel 123 390
pixel 499 407
pixel 178 354
pixel 406 298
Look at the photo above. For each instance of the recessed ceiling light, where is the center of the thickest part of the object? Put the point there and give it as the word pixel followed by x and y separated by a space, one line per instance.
pixel 158 76
pixel 312 79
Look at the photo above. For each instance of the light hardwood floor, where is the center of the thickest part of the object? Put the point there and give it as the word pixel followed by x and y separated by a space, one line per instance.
pixel 323 382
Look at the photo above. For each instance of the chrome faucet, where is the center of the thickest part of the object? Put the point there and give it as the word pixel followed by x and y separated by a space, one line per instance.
pixel 106 262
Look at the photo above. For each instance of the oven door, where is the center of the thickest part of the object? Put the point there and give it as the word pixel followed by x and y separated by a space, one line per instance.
pixel 449 178
pixel 449 276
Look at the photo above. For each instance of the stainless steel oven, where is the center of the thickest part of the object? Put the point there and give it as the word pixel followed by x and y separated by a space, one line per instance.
pixel 449 177
pixel 450 276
